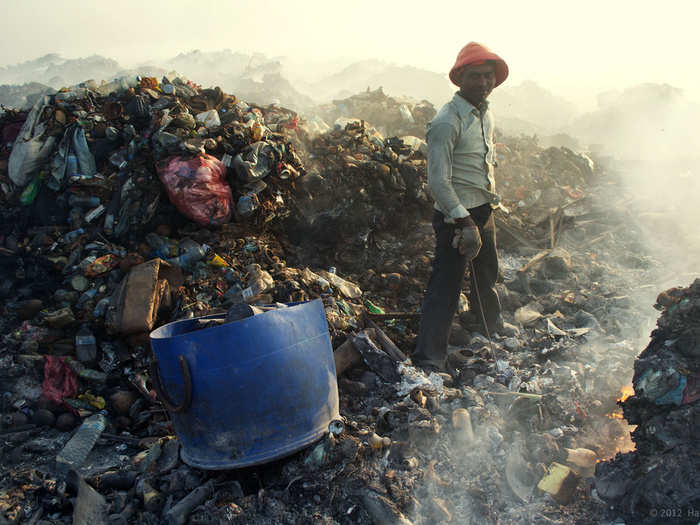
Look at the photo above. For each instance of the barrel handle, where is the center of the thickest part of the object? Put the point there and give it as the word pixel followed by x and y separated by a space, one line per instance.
pixel 160 391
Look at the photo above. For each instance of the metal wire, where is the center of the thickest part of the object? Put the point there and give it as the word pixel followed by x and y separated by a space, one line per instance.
pixel 481 311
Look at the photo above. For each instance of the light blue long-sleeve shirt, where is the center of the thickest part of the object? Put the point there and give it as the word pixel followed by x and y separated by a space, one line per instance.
pixel 461 158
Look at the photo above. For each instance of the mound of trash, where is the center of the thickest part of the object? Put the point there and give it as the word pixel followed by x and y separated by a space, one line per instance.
pixel 135 203
pixel 659 481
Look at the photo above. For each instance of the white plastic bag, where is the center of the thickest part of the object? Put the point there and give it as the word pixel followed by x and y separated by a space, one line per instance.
pixel 210 119
pixel 30 149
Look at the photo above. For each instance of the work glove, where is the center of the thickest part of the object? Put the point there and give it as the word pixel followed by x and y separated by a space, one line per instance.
pixel 467 240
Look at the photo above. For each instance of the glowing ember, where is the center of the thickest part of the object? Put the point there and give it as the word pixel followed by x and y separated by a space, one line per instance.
pixel 627 391
pixel 615 415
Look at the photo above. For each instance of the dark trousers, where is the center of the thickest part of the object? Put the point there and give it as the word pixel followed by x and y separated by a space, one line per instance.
pixel 442 296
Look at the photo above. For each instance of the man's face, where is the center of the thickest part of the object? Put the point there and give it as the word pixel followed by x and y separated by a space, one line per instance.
pixel 477 82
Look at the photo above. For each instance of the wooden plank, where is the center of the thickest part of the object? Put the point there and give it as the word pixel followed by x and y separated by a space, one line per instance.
pixel 534 261
pixel 385 342
pixel 346 356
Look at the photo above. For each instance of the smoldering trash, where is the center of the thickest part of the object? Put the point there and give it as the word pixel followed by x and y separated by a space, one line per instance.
pixel 131 205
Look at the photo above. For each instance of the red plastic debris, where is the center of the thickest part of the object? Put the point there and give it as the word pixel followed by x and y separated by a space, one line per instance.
pixel 197 187
pixel 59 380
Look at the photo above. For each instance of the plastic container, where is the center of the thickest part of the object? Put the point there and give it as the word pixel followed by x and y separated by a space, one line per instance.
pixel 159 245
pixel 247 204
pixel 259 282
pixel 86 296
pixel 85 344
pixel 261 387
pixel 190 256
pixel 73 235
pixel 79 446
pixel 31 191
pixel 89 201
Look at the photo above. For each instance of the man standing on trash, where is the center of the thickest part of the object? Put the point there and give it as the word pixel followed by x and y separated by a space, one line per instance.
pixel 460 178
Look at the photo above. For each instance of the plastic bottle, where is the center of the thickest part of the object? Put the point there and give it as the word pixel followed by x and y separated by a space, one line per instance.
pixel 86 296
pixel 79 201
pixel 93 214
pixel 86 262
pixel 234 294
pixel 159 245
pixel 31 191
pixel 259 282
pixel 109 223
pixel 85 345
pixel 73 235
pixel 79 446
pixel 75 218
pixel 71 165
pixel 101 307
pixel 86 373
pixel 373 308
pixel 310 278
pixel 247 204
pixel 190 256
pixel 118 159
pixel 348 289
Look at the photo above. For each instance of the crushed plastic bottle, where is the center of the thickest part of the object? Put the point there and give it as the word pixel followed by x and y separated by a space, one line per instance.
pixel 348 289
pixel 313 279
pixel 79 201
pixel 373 308
pixel 259 282
pixel 31 191
pixel 159 245
pixel 119 159
pixel 75 218
pixel 73 235
pixel 93 214
pixel 190 256
pixel 85 344
pixel 79 446
pixel 86 296
pixel 247 204
pixel 101 307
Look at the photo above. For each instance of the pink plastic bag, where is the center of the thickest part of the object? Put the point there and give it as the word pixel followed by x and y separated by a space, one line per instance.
pixel 59 380
pixel 197 187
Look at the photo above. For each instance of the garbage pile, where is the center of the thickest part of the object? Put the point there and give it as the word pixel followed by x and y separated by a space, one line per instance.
pixel 543 188
pixel 391 117
pixel 131 204
pixel 362 201
pixel 659 481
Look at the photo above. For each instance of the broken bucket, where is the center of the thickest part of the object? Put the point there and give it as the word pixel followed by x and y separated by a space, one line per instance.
pixel 250 391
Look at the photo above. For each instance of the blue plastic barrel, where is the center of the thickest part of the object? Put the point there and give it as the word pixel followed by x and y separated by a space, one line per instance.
pixel 262 387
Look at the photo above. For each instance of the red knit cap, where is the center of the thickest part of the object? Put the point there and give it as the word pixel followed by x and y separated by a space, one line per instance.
pixel 474 53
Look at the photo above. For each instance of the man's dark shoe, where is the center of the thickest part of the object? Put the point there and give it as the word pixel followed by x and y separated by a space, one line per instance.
pixel 471 322
pixel 429 365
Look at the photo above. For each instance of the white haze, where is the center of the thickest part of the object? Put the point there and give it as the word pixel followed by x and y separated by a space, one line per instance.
pixel 580 50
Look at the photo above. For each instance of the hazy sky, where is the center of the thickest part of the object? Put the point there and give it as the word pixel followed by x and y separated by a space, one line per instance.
pixel 570 48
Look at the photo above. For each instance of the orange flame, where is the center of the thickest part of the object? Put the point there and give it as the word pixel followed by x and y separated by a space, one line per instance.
pixel 614 415
pixel 627 391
